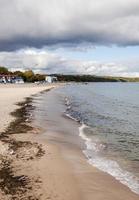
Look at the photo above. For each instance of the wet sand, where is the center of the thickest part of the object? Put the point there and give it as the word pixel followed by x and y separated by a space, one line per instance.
pixel 47 163
pixel 61 134
pixel 10 94
pixel 11 183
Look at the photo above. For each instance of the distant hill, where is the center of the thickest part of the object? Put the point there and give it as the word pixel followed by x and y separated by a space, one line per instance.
pixel 30 76
pixel 91 78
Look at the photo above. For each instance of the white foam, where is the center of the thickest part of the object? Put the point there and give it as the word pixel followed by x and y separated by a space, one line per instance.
pixel 106 165
pixel 67 102
pixel 70 117
pixel 95 145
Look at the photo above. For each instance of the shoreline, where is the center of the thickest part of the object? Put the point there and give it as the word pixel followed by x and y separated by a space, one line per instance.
pixel 20 177
pixel 15 107
pixel 39 168
pixel 109 166
pixel 62 133
pixel 11 94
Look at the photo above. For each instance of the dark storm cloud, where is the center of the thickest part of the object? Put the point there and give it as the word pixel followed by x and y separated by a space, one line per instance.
pixel 46 23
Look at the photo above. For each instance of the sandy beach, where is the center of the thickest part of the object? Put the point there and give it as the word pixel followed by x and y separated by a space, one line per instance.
pixel 38 167
pixel 12 94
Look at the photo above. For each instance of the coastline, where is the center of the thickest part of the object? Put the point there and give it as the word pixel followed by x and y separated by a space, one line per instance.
pixel 15 104
pixel 10 94
pixel 63 133
pixel 42 170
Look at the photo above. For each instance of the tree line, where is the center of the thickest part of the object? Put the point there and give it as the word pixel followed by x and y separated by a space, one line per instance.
pixel 28 76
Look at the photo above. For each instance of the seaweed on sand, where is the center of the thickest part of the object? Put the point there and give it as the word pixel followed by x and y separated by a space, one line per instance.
pixel 22 119
pixel 18 186
pixel 9 183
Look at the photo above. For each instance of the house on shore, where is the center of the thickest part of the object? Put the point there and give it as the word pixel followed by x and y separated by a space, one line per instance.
pixel 10 79
pixel 18 80
pixel 50 79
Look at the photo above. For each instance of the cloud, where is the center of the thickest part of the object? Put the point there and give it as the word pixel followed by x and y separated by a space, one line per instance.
pixel 43 61
pixel 47 23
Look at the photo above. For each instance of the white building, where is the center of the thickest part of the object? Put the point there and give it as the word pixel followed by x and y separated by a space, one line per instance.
pixel 10 79
pixel 50 79
pixel 18 80
pixel 2 79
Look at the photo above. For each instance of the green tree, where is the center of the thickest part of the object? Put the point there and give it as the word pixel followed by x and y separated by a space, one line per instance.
pixel 18 73
pixel 29 76
pixel 39 77
pixel 3 70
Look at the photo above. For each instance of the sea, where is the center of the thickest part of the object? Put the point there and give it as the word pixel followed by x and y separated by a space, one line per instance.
pixel 108 124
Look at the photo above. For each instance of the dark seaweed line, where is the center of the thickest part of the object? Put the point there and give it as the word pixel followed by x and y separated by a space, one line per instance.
pixel 10 184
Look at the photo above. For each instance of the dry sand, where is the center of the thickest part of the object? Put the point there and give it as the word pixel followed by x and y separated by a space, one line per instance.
pixel 50 177
pixel 41 167
pixel 12 94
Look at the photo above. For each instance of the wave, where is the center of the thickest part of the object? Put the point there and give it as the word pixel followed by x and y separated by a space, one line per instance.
pixel 70 117
pixel 106 165
pixel 92 152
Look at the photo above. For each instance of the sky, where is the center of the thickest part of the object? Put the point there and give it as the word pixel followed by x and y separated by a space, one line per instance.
pixel 97 37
